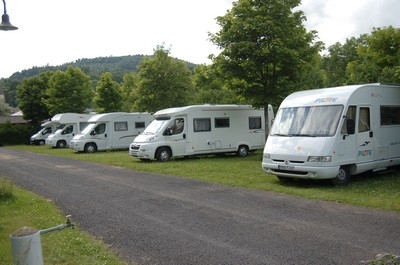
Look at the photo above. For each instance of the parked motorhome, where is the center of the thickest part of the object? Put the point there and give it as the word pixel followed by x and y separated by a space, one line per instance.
pixel 333 133
pixel 48 128
pixel 201 129
pixel 70 125
pixel 109 131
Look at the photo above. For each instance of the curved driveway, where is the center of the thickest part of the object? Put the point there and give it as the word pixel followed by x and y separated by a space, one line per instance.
pixel 159 219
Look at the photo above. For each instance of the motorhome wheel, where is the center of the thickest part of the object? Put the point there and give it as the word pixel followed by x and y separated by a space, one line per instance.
pixel 163 154
pixel 342 177
pixel 243 151
pixel 61 144
pixel 90 148
pixel 41 142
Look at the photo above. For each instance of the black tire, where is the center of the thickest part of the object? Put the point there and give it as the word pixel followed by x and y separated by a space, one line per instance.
pixel 41 142
pixel 61 144
pixel 242 151
pixel 343 177
pixel 163 154
pixel 90 148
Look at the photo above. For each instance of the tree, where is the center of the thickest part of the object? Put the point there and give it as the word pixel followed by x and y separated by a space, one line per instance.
pixel 108 96
pixel 31 94
pixel 4 107
pixel 336 61
pixel 128 87
pixel 69 91
pixel 211 87
pixel 265 49
pixel 163 82
pixel 378 58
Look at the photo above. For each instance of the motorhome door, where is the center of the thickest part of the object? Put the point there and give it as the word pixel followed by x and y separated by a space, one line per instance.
pixel 365 135
pixel 176 135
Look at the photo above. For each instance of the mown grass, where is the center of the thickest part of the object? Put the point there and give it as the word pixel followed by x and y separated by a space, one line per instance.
pixel 380 191
pixel 20 208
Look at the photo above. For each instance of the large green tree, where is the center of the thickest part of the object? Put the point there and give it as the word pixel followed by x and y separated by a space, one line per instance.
pixel 211 87
pixel 108 96
pixel 128 87
pixel 69 91
pixel 378 58
pixel 31 94
pixel 265 49
pixel 162 82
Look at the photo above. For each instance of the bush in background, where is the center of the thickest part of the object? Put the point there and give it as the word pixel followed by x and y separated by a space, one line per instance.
pixel 12 134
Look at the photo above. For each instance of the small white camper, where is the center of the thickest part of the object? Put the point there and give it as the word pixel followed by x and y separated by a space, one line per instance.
pixel 201 129
pixel 48 128
pixel 70 125
pixel 333 133
pixel 108 131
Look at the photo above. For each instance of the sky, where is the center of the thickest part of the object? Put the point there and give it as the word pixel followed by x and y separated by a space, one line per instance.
pixel 54 32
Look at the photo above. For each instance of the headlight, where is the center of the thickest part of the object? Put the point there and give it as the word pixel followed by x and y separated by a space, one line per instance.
pixel 319 159
pixel 267 156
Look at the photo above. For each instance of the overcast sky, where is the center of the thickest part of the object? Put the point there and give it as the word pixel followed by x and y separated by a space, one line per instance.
pixel 54 32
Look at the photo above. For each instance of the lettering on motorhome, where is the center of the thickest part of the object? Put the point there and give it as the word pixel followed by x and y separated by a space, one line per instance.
pixel 325 100
pixel 364 153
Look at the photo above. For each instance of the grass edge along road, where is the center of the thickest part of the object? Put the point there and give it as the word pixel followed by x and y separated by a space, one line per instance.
pixel 19 208
pixel 379 190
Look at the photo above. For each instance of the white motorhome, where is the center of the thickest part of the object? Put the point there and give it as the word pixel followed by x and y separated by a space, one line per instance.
pixel 48 128
pixel 70 124
pixel 201 129
pixel 108 131
pixel 333 133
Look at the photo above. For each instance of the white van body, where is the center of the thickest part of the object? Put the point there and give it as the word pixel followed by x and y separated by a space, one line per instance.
pixel 333 133
pixel 109 131
pixel 201 129
pixel 48 128
pixel 70 124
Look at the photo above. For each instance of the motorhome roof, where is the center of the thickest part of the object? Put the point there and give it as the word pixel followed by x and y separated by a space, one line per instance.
pixel 70 117
pixel 205 107
pixel 324 96
pixel 108 116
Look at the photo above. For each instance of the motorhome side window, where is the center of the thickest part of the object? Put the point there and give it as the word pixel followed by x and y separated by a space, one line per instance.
pixel 120 126
pixel 390 115
pixel 349 121
pixel 254 123
pixel 202 125
pixel 99 129
pixel 364 120
pixel 175 127
pixel 69 129
pixel 139 125
pixel 221 122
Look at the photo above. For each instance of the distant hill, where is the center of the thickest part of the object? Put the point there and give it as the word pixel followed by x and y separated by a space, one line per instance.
pixel 118 66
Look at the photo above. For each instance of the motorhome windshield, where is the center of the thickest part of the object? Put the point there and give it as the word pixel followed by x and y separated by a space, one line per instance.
pixel 88 128
pixel 316 121
pixel 154 127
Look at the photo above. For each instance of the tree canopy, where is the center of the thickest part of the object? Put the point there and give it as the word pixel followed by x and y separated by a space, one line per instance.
pixel 163 82
pixel 265 48
pixel 69 91
pixel 108 96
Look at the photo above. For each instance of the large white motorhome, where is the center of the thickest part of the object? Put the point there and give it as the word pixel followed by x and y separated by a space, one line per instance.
pixel 333 133
pixel 109 131
pixel 69 124
pixel 202 129
pixel 48 128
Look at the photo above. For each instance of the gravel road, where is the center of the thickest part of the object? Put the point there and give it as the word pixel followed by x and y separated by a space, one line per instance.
pixel 159 219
